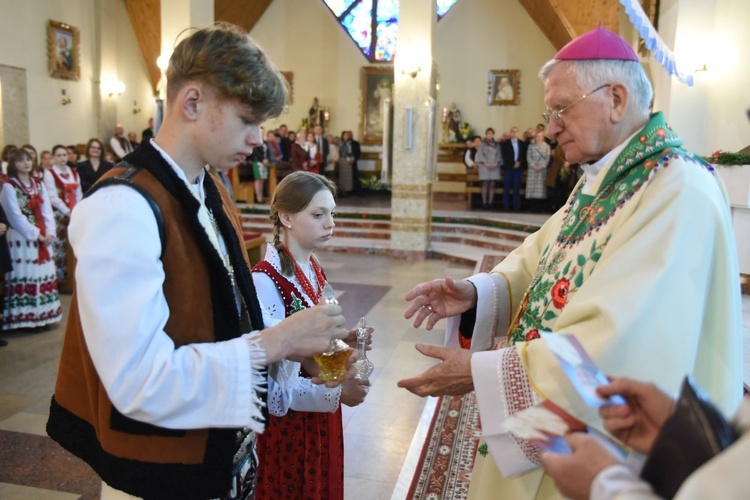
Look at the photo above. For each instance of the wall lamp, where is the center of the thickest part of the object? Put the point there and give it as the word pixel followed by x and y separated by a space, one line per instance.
pixel 113 88
pixel 413 72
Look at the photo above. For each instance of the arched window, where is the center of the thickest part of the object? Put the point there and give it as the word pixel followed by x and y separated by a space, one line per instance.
pixel 362 18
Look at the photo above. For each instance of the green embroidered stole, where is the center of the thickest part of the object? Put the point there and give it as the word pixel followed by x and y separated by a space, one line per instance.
pixel 565 264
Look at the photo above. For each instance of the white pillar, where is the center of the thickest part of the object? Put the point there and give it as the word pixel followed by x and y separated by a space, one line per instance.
pixel 414 86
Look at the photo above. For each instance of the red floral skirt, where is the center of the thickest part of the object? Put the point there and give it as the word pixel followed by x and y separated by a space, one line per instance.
pixel 301 455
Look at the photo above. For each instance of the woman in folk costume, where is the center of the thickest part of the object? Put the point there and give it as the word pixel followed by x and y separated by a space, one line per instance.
pixel 624 266
pixel 301 452
pixel 31 298
pixel 316 156
pixel 64 189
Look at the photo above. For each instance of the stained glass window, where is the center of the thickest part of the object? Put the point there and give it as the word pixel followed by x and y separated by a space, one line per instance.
pixel 360 18
pixel 358 23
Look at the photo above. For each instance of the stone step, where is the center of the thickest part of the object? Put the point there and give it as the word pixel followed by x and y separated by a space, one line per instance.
pixel 341 222
pixel 487 243
pixel 462 254
pixel 462 238
pixel 474 230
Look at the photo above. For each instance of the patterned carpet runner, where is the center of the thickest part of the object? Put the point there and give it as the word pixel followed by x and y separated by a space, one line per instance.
pixel 444 468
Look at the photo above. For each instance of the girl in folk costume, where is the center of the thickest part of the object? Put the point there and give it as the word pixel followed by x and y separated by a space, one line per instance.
pixel 316 157
pixel 31 298
pixel 64 188
pixel 36 170
pixel 301 452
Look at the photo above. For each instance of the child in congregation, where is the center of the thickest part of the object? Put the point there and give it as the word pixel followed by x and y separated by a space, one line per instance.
pixel 64 189
pixel 301 452
pixel 31 297
pixel 36 170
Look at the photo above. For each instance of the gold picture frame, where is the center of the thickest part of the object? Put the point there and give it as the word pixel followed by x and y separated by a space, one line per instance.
pixel 376 84
pixel 504 87
pixel 64 51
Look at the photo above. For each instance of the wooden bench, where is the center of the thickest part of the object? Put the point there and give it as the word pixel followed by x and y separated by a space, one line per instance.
pixel 254 242
pixel 474 186
pixel 244 191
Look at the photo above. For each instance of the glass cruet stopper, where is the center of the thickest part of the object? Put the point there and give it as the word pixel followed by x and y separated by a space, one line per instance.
pixel 363 365
pixel 329 295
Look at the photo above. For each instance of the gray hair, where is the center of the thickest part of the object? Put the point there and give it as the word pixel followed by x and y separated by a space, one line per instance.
pixel 591 73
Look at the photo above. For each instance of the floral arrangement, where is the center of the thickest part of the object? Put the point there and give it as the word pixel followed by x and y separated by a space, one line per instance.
pixel 726 158
pixel 305 124
pixel 464 132
pixel 373 184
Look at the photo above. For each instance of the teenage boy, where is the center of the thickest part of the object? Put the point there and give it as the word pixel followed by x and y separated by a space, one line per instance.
pixel 162 373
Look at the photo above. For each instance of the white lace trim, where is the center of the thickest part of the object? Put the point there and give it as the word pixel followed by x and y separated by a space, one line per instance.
pixel 258 383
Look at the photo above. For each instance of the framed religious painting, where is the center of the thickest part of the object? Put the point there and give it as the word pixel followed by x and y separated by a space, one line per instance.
pixel 64 52
pixel 289 77
pixel 504 87
pixel 376 84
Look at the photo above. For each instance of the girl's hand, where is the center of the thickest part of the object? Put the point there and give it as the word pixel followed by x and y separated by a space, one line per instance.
pixel 354 391
pixel 351 339
pixel 3 228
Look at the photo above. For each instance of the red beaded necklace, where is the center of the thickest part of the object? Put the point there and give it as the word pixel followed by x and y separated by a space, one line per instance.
pixel 30 190
pixel 304 280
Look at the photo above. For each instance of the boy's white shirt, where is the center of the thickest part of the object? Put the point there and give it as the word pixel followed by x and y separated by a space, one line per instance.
pixel 115 238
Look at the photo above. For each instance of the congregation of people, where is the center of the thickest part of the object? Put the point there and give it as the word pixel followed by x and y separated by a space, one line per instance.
pixel 39 193
pixel 308 150
pixel 502 161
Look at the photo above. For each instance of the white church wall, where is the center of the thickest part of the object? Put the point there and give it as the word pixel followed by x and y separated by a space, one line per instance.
pixel 477 36
pixel 473 38
pixel 729 127
pixel 23 44
pixel 302 36
pixel 712 114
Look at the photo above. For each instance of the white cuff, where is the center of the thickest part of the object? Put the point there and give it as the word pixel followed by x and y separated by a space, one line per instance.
pixel 619 482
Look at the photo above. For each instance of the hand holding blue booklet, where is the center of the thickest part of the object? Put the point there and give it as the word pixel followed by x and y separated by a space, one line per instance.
pixel 580 368
pixel 546 424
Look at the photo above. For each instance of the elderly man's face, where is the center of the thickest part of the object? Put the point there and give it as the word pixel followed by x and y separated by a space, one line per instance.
pixel 586 124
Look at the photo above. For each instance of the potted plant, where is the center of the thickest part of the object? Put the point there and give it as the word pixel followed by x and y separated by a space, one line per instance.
pixel 734 170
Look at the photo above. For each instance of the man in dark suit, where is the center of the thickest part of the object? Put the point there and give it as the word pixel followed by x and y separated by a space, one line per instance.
pixel 148 133
pixel 322 143
pixel 349 151
pixel 284 142
pixel 513 152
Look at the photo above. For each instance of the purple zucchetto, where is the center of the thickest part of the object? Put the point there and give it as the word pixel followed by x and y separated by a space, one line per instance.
pixel 599 43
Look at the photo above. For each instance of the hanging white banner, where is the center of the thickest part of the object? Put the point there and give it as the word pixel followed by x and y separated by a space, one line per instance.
pixel 653 41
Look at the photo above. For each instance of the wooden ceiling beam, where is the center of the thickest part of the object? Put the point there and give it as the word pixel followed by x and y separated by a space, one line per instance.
pixel 145 16
pixel 563 20
pixel 240 12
